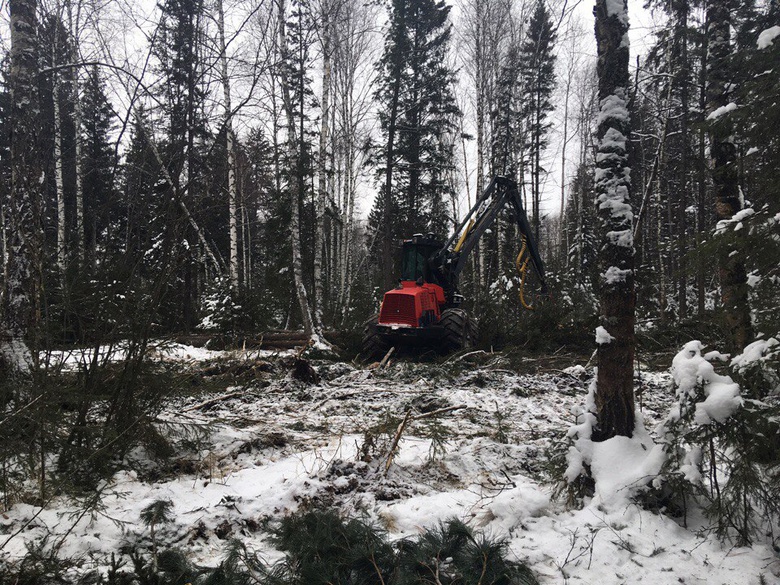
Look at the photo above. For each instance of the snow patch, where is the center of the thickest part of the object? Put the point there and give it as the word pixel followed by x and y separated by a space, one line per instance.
pixel 690 370
pixel 767 37
pixel 614 275
pixel 758 351
pixel 735 220
pixel 617 8
pixel 602 336
pixel 722 111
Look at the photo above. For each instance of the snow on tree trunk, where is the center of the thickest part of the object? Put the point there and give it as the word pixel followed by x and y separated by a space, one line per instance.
pixel 231 152
pixel 725 174
pixel 25 194
pixel 615 380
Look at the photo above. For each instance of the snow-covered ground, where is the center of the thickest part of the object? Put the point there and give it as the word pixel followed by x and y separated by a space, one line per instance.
pixel 265 449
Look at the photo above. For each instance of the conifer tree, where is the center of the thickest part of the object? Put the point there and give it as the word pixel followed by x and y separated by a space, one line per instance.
pixel 725 173
pixel 178 49
pixel 23 246
pixel 538 76
pixel 416 110
pixel 141 208
pixel 98 162
pixel 615 337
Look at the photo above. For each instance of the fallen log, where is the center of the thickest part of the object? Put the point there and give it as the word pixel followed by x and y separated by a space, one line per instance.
pixel 273 339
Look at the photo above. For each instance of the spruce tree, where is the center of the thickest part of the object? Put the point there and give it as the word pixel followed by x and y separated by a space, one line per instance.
pixel 178 50
pixel 538 77
pixel 505 117
pixel 417 110
pixel 141 208
pixel 98 162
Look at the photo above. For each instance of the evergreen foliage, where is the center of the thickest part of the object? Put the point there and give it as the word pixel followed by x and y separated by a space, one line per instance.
pixel 537 73
pixel 728 462
pixel 101 214
pixel 417 112
pixel 320 548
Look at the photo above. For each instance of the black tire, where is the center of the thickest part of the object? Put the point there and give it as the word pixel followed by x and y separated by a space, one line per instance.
pixel 373 346
pixel 460 331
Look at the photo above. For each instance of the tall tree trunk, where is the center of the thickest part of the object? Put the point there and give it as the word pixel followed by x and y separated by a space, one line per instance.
pixel 62 250
pixel 682 223
pixel 73 26
pixel 725 176
pixel 481 98
pixel 701 207
pixel 296 187
pixel 386 232
pixel 230 147
pixel 59 181
pixel 322 167
pixel 564 239
pixel 20 288
pixel 615 379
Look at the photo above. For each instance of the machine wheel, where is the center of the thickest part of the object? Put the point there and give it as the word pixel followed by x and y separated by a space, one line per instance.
pixel 373 346
pixel 460 331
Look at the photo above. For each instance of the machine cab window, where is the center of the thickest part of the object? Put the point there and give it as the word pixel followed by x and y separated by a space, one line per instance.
pixel 416 253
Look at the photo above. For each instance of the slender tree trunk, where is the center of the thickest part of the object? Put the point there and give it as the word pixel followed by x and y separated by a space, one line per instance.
pixel 615 378
pixel 725 176
pixel 62 250
pixel 564 142
pixel 702 206
pixel 481 97
pixel 296 187
pixel 682 223
pixel 73 25
pixel 230 147
pixel 386 233
pixel 322 169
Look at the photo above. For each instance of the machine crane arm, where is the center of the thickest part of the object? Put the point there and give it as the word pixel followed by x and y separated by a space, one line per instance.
pixel 501 192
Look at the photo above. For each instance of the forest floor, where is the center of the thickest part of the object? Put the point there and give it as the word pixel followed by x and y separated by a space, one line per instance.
pixel 265 436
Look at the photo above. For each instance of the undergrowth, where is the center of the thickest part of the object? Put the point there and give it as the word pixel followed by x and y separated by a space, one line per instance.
pixel 321 548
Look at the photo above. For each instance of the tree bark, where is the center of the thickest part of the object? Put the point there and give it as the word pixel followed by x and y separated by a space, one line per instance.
pixel 73 25
pixel 62 251
pixel 231 153
pixel 725 177
pixel 21 287
pixel 296 187
pixel 615 379
pixel 322 167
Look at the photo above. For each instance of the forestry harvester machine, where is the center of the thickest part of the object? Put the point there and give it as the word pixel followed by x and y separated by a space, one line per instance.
pixel 425 306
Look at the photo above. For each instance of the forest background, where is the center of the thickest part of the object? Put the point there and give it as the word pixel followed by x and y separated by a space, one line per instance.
pixel 208 165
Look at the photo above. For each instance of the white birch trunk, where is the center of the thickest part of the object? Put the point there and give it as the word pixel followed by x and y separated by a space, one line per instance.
pixel 80 236
pixel 322 175
pixel 62 258
pixel 231 153
pixel 295 194
pixel 75 96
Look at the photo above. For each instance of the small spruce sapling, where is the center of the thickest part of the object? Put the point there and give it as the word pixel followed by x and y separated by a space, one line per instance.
pixel 158 512
pixel 713 440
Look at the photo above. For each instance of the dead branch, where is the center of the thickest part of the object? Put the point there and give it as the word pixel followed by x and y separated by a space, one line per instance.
pixel 438 412
pixel 396 438
pixel 386 359
pixel 214 401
